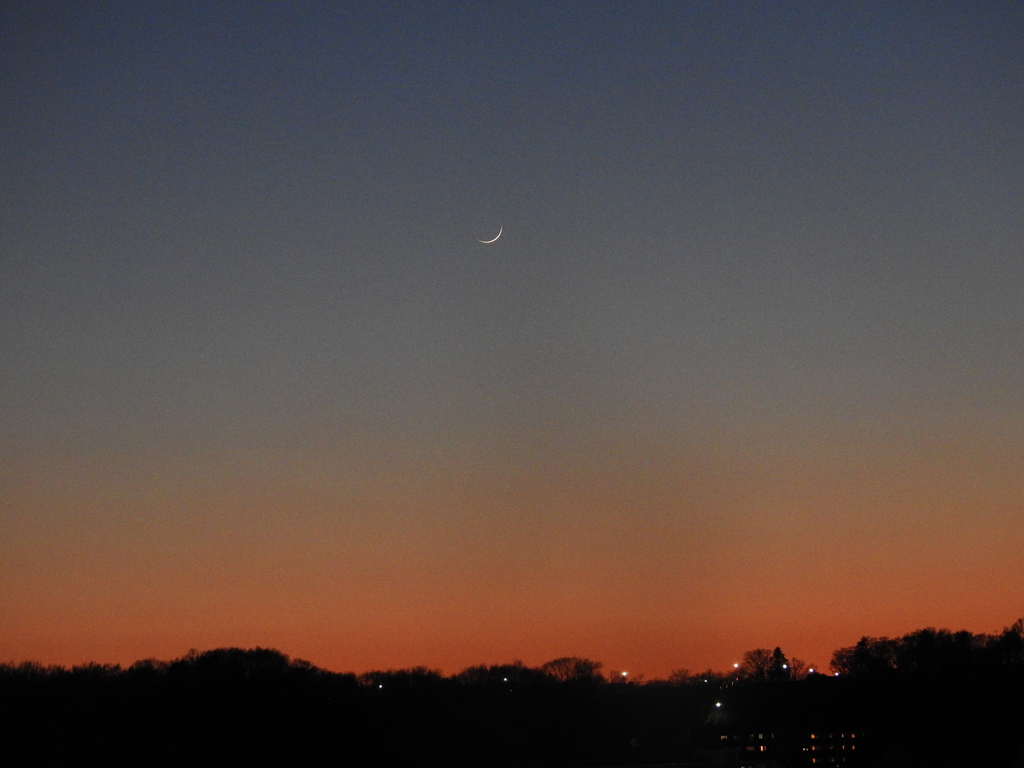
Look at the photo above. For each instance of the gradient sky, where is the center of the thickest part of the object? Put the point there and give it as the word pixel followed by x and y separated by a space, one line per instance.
pixel 745 369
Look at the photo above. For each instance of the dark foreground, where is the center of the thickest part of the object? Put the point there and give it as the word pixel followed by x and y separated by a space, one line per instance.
pixel 257 707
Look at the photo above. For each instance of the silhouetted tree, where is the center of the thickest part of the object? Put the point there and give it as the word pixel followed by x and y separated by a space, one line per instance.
pixel 680 676
pixel 756 664
pixel 573 669
pixel 1008 648
pixel 870 656
pixel 798 668
pixel 504 675
pixel 779 669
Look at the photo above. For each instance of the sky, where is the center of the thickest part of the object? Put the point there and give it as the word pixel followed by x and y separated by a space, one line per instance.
pixel 744 369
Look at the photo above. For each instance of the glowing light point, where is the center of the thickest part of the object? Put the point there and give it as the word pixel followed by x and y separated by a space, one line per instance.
pixel 718 703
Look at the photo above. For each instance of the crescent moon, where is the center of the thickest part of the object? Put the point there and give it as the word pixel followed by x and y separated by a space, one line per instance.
pixel 485 242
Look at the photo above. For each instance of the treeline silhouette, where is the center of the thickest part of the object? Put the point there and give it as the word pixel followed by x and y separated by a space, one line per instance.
pixel 938 697
pixel 234 706
pixel 933 652
pixel 931 695
pixel 929 698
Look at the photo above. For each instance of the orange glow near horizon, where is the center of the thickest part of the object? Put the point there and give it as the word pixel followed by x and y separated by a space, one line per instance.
pixel 531 561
